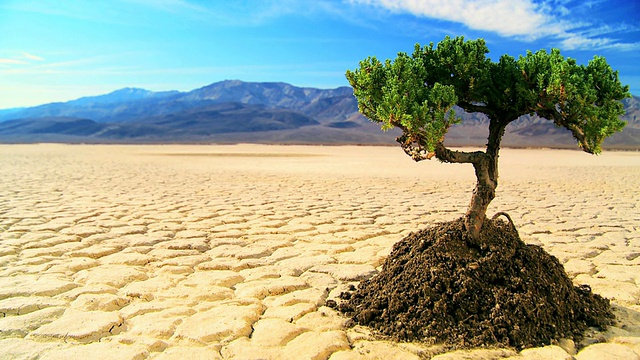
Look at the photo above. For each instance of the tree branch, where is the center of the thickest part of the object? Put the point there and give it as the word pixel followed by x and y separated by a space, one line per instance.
pixel 461 157
pixel 579 135
pixel 413 147
pixel 577 132
pixel 471 108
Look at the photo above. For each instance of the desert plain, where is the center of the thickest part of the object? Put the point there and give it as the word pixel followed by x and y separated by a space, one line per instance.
pixel 232 251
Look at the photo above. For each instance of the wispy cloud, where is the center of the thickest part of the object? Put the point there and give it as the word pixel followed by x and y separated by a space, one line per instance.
pixel 506 17
pixel 599 37
pixel 82 66
pixel 580 42
pixel 23 59
pixel 521 19
pixel 32 57
pixel 12 62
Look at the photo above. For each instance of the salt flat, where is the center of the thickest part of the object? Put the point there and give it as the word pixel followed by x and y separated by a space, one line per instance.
pixel 230 252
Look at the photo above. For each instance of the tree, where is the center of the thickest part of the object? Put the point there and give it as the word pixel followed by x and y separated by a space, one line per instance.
pixel 417 94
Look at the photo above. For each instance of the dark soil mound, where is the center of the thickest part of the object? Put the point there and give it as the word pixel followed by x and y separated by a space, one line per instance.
pixel 438 286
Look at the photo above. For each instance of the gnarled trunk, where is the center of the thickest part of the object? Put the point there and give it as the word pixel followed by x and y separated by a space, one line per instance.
pixel 484 192
pixel 485 164
pixel 486 168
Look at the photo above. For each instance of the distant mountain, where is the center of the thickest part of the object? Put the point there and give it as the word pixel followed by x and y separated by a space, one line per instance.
pixel 115 105
pixel 51 125
pixel 237 111
pixel 274 95
pixel 193 124
pixel 121 96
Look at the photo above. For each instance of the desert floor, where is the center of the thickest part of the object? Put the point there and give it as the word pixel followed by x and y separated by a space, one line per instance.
pixel 210 252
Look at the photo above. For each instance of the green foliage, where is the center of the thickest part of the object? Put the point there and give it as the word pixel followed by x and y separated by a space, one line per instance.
pixel 395 94
pixel 417 93
pixel 583 99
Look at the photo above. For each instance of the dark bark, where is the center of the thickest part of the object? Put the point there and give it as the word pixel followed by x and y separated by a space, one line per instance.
pixel 487 180
pixel 485 165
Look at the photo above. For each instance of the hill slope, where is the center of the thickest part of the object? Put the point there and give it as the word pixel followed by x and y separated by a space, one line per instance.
pixel 237 111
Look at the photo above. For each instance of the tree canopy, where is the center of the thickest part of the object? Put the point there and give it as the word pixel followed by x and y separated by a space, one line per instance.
pixel 417 94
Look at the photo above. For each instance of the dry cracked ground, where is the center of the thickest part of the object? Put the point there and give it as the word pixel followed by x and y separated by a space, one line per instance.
pixel 230 252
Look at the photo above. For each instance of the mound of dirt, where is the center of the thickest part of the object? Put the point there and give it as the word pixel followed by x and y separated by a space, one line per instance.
pixel 438 286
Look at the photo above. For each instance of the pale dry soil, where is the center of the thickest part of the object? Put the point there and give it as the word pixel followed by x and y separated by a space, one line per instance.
pixel 230 252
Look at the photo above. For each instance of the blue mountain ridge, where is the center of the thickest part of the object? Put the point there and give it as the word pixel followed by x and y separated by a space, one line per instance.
pixel 237 111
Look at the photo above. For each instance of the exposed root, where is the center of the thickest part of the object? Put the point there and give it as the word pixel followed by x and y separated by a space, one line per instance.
pixel 502 213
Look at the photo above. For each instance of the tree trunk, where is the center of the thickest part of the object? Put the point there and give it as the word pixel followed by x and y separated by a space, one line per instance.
pixel 486 168
pixel 484 192
pixel 485 164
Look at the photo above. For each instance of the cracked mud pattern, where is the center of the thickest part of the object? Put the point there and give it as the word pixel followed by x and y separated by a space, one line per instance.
pixel 231 252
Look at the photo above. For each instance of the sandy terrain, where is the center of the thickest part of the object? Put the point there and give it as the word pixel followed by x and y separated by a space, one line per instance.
pixel 230 252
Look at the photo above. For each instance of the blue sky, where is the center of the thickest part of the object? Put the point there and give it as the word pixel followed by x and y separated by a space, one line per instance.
pixel 59 50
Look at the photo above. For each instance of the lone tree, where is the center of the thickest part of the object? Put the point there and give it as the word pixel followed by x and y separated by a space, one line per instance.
pixel 474 282
pixel 417 93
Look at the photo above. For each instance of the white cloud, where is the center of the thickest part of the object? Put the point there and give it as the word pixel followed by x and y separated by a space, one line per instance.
pixel 597 37
pixel 581 42
pixel 32 57
pixel 25 59
pixel 12 62
pixel 521 18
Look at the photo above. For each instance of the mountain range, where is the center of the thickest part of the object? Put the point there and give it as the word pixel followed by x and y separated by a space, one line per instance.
pixel 235 111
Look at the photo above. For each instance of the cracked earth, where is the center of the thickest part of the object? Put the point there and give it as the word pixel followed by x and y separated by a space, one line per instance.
pixel 231 252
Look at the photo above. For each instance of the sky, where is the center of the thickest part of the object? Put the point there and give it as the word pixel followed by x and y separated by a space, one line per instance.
pixel 60 50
